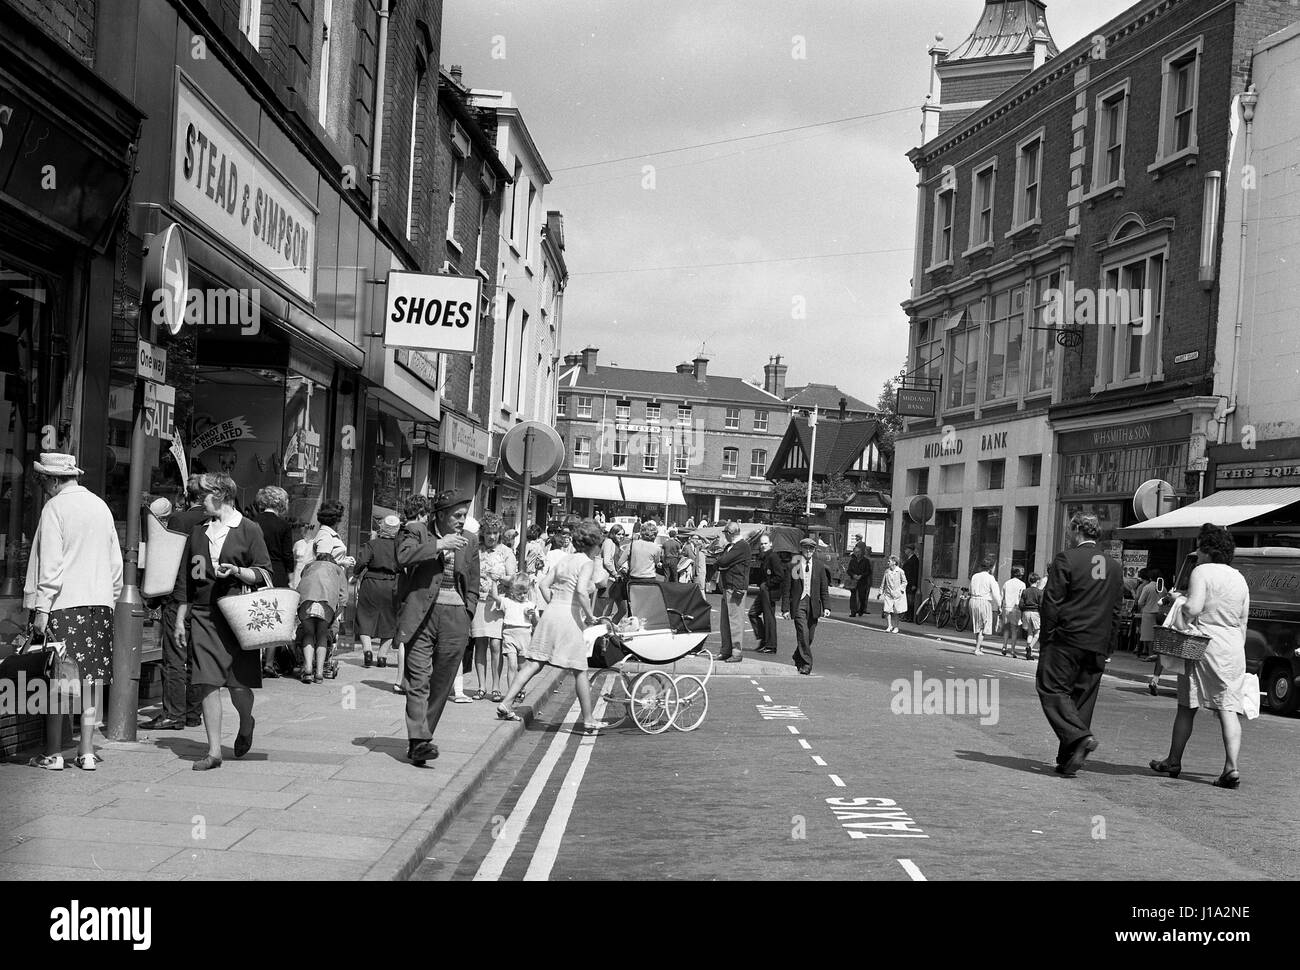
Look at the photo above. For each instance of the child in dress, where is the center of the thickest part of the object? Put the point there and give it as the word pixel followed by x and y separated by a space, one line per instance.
pixel 323 589
pixel 513 597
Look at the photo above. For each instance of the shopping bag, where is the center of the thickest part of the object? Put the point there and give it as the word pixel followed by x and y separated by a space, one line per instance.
pixel 1250 696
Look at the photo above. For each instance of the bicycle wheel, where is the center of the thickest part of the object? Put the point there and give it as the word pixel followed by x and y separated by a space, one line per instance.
pixel 961 615
pixel 653 701
pixel 942 614
pixel 610 686
pixel 923 612
pixel 692 703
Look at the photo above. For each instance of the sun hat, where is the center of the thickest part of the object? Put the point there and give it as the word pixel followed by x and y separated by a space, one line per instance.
pixel 54 463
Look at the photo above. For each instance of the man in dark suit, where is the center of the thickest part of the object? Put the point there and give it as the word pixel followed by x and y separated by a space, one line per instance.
pixel 733 583
pixel 440 588
pixel 1080 620
pixel 762 612
pixel 912 572
pixel 810 586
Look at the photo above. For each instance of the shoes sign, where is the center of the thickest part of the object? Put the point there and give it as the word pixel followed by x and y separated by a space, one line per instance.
pixel 430 311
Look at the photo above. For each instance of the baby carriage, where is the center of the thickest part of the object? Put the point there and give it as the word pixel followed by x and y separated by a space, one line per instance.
pixel 665 623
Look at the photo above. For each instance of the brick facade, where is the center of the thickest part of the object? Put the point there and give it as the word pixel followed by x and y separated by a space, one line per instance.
pixel 71 22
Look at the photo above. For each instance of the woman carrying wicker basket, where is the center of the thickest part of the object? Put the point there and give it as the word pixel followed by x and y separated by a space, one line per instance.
pixel 223 554
pixel 1218 604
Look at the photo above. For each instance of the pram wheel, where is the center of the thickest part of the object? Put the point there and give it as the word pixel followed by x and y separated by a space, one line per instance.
pixel 608 685
pixel 654 700
pixel 692 703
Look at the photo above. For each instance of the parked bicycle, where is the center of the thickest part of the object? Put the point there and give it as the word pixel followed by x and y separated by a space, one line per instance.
pixel 961 609
pixel 938 605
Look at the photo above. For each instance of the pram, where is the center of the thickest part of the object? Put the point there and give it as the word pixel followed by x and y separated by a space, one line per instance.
pixel 666 622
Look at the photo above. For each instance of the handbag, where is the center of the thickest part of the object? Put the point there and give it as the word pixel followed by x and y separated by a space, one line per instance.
pixel 1250 696
pixel 261 617
pixel 62 670
pixel 1177 638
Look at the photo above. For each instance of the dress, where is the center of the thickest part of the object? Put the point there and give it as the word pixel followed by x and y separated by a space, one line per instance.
pixel 894 591
pixel 377 592
pixel 494 565
pixel 1148 602
pixel 1219 600
pixel 558 638
pixel 984 597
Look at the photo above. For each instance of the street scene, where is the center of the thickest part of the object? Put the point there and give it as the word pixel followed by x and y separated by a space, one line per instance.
pixel 579 441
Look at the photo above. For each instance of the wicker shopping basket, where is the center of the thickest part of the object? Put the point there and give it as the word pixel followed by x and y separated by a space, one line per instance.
pixel 1186 646
pixel 261 618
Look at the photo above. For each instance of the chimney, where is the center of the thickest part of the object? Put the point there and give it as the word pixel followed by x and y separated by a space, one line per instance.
pixel 701 369
pixel 777 377
pixel 844 408
pixel 589 359
pixel 456 73
pixel 686 367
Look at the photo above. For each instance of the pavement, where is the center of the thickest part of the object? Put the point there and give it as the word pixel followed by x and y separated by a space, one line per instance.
pixel 326 792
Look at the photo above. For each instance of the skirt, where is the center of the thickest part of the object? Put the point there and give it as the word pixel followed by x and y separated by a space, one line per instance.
pixel 87 632
pixel 377 607
pixel 895 604
pixel 981 615
pixel 558 638
pixel 487 621
pixel 219 661
pixel 317 609
pixel 1148 627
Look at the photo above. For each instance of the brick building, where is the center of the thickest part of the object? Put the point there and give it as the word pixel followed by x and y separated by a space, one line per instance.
pixel 1096 172
pixel 636 438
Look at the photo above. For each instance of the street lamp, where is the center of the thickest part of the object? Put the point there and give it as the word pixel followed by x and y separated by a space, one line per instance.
pixel 812 454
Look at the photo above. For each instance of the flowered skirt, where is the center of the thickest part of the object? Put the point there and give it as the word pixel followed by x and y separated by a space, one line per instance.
pixel 87 632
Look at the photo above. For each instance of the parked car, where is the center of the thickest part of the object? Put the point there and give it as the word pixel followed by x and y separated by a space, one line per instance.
pixel 1273 631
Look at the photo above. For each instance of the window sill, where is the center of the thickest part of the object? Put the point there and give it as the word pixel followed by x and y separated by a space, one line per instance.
pixel 482 273
pixel 528 269
pixel 1129 382
pixel 984 247
pixel 1187 155
pixel 1114 190
pixel 460 250
pixel 513 248
pixel 944 264
pixel 1024 227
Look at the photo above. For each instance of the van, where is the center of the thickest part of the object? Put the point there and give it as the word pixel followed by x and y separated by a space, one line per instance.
pixel 1273 630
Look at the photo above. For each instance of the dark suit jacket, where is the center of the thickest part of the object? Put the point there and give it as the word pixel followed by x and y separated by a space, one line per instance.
pixel 733 566
pixel 912 570
pixel 423 565
pixel 819 596
pixel 775 573
pixel 279 543
pixel 1081 603
pixel 197 582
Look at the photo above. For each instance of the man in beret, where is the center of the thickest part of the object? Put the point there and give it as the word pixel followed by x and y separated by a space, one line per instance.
pixel 440 595
pixel 810 584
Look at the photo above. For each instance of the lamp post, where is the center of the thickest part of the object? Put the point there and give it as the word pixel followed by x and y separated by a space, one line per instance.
pixel 812 454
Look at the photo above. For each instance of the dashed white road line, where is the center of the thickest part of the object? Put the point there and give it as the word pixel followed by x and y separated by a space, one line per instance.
pixel 910 868
pixel 820 761
pixel 752 681
pixel 839 782
pixel 792 729
pixel 767 698
pixel 804 744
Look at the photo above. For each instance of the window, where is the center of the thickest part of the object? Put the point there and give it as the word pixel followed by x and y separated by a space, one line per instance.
pixel 985 537
pixel 760 420
pixel 1108 144
pixel 1006 333
pixel 682 459
pixel 323 66
pixel 1178 95
pixel 1041 370
pixel 652 413
pixel 945 202
pixel 1029 175
pixel 584 406
pixel 415 161
pixel 1031 470
pixel 527 243
pixel 952 479
pixel 964 356
pixel 928 360
pixel 514 200
pixel 484 211
pixel 622 410
pixel 730 459
pixel 918 481
pixel 250 21
pixel 683 415
pixel 1132 316
pixel 620 451
pixel 732 422
pixel 981 210
pixel 650 453
pixel 507 351
pixel 758 463
pixel 947 535
pixel 581 452
pixel 457 165
pixel 561 407
pixel 993 474
pixel 520 400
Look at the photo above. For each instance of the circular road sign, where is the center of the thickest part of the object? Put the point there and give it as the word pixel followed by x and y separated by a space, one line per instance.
pixel 921 509
pixel 547 452
pixel 1153 498
pixel 167 275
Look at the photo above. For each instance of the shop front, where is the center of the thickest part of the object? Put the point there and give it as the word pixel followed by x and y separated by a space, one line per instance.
pixel 991 495
pixel 464 450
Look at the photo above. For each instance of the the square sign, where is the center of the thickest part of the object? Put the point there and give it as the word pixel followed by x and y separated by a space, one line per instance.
pixel 915 402
pixel 429 311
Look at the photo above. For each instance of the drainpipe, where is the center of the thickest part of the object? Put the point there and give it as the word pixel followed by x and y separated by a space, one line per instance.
pixel 377 136
pixel 1249 99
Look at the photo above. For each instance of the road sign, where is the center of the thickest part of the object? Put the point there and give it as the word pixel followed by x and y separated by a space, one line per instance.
pixel 546 452
pixel 150 362
pixel 921 509
pixel 167 275
pixel 1153 498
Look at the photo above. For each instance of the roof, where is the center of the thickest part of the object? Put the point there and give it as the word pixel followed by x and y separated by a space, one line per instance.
pixel 839 443
pixel 826 396
pixel 1005 29
pixel 667 384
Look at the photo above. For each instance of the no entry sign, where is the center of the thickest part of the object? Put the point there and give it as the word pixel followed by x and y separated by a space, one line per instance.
pixel 427 311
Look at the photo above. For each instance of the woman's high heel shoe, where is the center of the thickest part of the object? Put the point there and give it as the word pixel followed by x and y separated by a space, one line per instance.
pixel 1164 768
pixel 1229 779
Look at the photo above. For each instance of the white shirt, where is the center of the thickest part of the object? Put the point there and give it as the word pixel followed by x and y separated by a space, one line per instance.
pixel 217 532
pixel 983 584
pixel 1011 593
pixel 805 570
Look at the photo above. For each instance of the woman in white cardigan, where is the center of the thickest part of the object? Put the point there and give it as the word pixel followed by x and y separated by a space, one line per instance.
pixel 74 577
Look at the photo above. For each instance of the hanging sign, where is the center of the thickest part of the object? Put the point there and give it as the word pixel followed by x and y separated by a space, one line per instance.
pixel 178 452
pixel 429 311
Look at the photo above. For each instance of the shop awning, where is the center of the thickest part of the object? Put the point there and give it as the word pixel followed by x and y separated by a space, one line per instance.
pixel 1230 507
pixel 652 491
pixel 603 487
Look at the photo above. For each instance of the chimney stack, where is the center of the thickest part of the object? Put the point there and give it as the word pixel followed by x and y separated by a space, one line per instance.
pixel 572 360
pixel 589 359
pixel 686 367
pixel 456 73
pixel 774 377
pixel 844 408
pixel 701 369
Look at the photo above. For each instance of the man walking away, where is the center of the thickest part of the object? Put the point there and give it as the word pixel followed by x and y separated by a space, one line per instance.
pixel 733 582
pixel 810 585
pixel 912 570
pixel 1080 617
pixel 672 554
pixel 762 612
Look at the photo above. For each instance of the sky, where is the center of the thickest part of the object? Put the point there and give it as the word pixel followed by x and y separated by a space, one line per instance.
pixel 797 242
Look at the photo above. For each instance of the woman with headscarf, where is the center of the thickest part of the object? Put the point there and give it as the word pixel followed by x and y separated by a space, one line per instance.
pixel 377 591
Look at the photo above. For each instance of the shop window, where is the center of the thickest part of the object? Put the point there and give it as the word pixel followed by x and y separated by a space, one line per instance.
pixel 985 537
pixel 582 452
pixel 760 420
pixel 993 474
pixel 947 536
pixel 952 478
pixel 730 461
pixel 1031 470
pixel 732 421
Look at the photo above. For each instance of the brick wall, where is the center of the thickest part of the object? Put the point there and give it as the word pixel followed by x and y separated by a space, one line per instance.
pixel 70 22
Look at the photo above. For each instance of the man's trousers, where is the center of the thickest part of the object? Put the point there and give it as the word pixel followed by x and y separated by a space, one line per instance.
pixel 1068 679
pixel 433 657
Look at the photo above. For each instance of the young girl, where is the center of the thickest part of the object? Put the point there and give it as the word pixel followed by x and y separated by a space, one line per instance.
pixel 893 593
pixel 513 597
pixel 323 589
